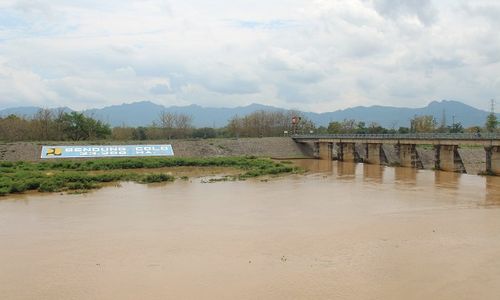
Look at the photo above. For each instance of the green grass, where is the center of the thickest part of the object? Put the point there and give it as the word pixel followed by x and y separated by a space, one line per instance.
pixel 76 175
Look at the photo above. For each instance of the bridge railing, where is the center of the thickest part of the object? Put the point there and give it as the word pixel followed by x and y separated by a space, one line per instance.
pixel 408 136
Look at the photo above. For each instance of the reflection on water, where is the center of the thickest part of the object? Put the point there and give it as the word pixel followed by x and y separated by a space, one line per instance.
pixel 341 231
pixel 492 191
pixel 447 179
pixel 480 190
pixel 405 175
pixel 346 169
pixel 375 173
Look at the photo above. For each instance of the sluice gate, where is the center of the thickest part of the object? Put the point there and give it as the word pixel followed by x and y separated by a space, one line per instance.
pixel 446 147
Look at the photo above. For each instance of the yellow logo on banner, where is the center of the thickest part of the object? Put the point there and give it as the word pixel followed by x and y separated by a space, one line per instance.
pixel 54 151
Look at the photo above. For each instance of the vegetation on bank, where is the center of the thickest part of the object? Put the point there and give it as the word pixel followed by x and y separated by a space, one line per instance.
pixel 62 126
pixel 80 175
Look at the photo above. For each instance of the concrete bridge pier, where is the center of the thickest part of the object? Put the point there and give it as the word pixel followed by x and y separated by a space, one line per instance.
pixel 325 150
pixel 407 155
pixel 374 154
pixel 347 152
pixel 448 159
pixel 492 160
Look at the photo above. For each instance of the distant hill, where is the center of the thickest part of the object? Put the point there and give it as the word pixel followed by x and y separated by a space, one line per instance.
pixel 145 112
pixel 389 116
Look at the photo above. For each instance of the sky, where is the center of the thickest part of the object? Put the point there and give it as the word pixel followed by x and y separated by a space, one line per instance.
pixel 308 55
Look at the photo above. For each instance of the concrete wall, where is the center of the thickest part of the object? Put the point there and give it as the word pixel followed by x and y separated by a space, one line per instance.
pixel 325 151
pixel 407 155
pixel 346 152
pixel 448 158
pixel 493 160
pixel 373 155
pixel 455 159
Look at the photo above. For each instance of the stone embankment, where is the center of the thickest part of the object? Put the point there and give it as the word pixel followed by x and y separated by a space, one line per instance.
pixel 276 147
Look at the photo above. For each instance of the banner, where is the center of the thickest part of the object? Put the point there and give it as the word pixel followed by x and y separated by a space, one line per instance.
pixel 106 151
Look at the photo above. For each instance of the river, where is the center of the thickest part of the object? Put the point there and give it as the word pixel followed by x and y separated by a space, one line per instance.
pixel 341 231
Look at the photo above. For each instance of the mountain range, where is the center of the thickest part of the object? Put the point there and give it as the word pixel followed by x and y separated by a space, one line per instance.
pixel 144 113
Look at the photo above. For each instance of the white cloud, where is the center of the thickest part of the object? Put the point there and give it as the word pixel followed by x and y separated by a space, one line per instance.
pixel 314 55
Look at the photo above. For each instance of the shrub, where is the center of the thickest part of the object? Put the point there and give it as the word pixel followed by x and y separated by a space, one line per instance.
pixel 150 178
pixel 51 186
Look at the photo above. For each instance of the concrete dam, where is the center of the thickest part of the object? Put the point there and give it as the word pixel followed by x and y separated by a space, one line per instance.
pixel 446 150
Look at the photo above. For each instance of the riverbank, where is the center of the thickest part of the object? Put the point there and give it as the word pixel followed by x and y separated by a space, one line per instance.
pixel 275 147
pixel 82 175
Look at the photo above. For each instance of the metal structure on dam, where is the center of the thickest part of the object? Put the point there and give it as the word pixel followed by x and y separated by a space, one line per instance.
pixel 445 147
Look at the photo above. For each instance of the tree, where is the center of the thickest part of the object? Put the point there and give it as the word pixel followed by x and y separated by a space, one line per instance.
pixel 77 126
pixel 182 124
pixel 456 128
pixel 403 130
pixel 334 127
pixel 204 133
pixel 375 128
pixel 491 122
pixel 473 129
pixel 122 133
pixel 43 124
pixel 349 126
pixel 321 130
pixel 140 133
pixel 174 125
pixel 426 123
pixel 361 128
pixel 14 128
pixel 268 123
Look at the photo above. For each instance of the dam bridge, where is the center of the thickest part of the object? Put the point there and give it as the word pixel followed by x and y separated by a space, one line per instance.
pixel 345 147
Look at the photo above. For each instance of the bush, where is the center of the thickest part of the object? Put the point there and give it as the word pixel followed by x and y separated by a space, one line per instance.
pixel 81 186
pixel 51 186
pixel 4 190
pixel 6 164
pixel 157 178
pixel 18 187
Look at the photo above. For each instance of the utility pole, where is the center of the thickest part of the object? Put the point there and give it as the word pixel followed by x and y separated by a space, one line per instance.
pixel 443 119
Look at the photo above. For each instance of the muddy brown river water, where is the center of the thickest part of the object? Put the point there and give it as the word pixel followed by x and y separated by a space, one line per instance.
pixel 342 231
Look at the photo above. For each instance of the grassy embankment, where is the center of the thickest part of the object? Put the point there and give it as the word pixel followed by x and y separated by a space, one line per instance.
pixel 78 175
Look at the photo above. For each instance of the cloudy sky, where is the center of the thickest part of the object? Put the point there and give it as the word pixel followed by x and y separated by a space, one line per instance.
pixel 303 54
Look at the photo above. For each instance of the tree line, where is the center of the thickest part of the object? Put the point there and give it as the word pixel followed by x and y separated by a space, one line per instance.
pixel 49 125
pixel 74 126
